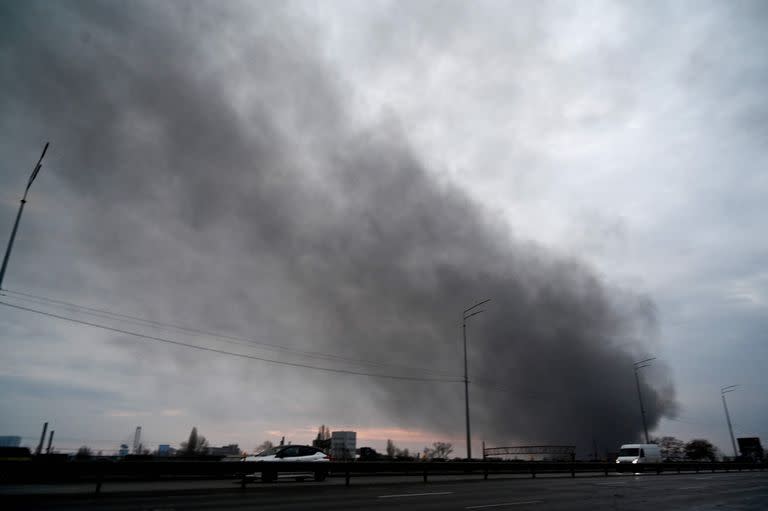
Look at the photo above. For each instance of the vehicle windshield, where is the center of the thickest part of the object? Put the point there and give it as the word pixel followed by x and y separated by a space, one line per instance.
pixel 634 451
pixel 270 452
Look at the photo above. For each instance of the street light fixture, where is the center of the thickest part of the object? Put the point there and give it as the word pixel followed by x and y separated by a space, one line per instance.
pixel 723 392
pixel 639 365
pixel 18 215
pixel 468 313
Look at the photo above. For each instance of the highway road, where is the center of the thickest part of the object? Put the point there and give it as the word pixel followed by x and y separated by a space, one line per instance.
pixel 722 491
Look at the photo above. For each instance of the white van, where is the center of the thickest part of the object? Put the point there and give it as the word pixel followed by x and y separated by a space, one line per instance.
pixel 638 454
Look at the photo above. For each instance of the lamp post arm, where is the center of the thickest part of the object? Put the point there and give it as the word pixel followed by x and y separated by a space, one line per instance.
pixel 478 304
pixel 8 249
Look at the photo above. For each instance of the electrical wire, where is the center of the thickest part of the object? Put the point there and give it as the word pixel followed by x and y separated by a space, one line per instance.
pixel 242 341
pixel 223 352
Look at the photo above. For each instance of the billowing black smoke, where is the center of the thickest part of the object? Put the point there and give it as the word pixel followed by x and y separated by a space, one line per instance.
pixel 223 163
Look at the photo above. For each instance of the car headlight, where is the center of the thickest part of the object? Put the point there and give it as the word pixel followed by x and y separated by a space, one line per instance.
pixel 617 461
pixel 634 461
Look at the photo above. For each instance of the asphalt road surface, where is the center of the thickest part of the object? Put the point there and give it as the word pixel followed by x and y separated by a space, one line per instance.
pixel 723 491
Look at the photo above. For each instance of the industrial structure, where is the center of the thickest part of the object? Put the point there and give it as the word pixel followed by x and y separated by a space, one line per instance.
pixel 343 445
pixel 137 447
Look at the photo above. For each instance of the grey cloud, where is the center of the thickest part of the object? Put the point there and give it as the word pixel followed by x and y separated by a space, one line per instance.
pixel 216 167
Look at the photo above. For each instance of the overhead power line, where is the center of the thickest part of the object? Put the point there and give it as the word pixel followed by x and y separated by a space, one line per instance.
pixel 223 352
pixel 237 340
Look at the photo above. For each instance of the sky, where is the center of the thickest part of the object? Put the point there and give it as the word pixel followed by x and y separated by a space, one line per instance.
pixel 259 217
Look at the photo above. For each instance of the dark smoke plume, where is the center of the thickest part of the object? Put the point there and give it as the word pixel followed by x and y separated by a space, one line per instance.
pixel 216 167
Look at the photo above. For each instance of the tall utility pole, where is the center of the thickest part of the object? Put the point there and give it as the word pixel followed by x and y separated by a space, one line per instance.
pixel 468 314
pixel 639 365
pixel 50 442
pixel 723 392
pixel 39 449
pixel 18 215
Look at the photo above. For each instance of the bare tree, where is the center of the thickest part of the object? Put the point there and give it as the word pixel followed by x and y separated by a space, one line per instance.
pixel 391 449
pixel 442 449
pixel 438 451
pixel 195 445
pixel 672 449
pixel 324 433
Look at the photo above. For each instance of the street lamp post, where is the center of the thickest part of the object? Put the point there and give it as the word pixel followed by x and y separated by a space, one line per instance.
pixel 18 215
pixel 468 313
pixel 639 365
pixel 723 392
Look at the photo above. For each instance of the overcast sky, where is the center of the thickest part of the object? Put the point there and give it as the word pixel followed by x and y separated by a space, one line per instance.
pixel 314 191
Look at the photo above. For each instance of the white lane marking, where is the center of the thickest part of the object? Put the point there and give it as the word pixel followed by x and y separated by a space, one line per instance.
pixel 519 503
pixel 415 494
pixel 621 483
pixel 691 487
pixel 722 476
pixel 740 490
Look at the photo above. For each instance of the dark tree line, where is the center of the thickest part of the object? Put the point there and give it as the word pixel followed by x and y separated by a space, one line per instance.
pixel 674 449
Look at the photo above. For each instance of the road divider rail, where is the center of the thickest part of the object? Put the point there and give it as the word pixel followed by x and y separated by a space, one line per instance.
pixel 40 470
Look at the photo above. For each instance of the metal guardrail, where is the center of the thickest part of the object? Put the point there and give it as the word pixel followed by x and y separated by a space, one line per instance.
pixel 568 452
pixel 98 472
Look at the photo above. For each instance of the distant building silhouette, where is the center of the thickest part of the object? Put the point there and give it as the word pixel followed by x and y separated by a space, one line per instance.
pixel 10 441
pixel 343 445
pixel 165 450
pixel 227 450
